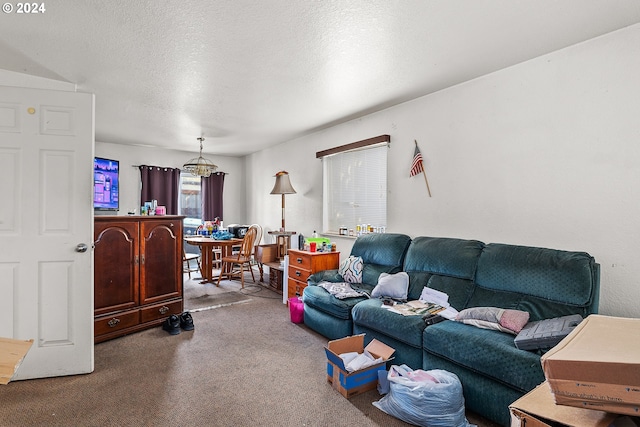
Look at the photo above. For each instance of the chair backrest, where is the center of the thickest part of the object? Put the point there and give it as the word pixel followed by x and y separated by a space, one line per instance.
pixel 258 234
pixel 247 243
pixel 256 242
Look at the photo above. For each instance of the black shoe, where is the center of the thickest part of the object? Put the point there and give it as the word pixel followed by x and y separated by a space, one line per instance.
pixel 186 321
pixel 172 325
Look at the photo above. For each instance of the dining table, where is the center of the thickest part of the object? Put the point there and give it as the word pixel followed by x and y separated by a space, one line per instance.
pixel 206 245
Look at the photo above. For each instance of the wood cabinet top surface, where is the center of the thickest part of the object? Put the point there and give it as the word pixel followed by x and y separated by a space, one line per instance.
pixel 136 218
pixel 299 252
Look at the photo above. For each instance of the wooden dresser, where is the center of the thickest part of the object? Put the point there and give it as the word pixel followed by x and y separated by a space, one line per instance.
pixel 303 264
pixel 137 273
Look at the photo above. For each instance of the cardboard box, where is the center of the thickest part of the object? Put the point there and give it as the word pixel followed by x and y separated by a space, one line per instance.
pixel 599 362
pixel 612 407
pixel 11 354
pixel 538 409
pixel 350 384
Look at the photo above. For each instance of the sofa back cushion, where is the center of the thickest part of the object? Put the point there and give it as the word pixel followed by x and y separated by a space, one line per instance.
pixel 380 253
pixel 444 256
pixel 445 264
pixel 545 282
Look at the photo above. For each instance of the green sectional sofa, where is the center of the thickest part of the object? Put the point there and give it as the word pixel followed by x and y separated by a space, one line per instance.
pixel 546 283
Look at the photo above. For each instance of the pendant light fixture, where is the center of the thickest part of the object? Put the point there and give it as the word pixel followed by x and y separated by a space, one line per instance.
pixel 200 166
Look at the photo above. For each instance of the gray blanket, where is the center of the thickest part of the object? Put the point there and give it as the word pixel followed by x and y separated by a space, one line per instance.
pixel 342 290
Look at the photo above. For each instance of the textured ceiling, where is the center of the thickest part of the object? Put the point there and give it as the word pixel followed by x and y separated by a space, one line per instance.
pixel 250 74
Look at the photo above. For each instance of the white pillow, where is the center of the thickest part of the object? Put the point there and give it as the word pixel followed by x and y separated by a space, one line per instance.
pixel 351 269
pixel 394 286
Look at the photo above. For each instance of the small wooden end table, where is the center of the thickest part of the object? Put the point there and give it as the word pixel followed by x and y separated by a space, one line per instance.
pixel 283 241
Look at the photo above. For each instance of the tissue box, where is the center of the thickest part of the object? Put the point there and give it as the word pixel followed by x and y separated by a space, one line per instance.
pixel 350 384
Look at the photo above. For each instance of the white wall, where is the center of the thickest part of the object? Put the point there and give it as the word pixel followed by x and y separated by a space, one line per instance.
pixel 11 78
pixel 545 153
pixel 130 184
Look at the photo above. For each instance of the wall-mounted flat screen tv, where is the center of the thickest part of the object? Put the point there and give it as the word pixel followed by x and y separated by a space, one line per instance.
pixel 106 182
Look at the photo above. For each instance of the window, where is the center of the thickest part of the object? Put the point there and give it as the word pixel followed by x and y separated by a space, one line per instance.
pixel 355 185
pixel 190 203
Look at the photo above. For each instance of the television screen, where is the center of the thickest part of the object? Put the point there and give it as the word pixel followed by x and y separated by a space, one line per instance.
pixel 105 184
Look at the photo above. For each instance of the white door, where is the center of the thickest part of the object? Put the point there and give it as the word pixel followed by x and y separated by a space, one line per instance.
pixel 46 215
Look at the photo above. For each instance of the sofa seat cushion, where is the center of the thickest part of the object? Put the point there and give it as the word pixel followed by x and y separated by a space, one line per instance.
pixel 318 298
pixel 488 352
pixel 406 329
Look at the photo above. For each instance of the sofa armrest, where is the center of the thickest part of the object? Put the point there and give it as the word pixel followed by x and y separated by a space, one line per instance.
pixel 325 276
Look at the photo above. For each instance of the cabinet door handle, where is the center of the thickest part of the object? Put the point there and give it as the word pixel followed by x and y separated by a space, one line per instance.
pixel 142 259
pixel 299 260
pixel 113 322
pixel 164 309
pixel 136 260
pixel 298 273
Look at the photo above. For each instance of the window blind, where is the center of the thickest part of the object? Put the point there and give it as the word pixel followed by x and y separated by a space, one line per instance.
pixel 355 188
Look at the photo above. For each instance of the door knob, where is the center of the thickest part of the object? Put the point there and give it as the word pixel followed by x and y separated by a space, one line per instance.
pixel 81 247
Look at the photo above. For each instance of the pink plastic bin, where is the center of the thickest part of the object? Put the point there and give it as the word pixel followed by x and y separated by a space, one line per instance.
pixel 296 308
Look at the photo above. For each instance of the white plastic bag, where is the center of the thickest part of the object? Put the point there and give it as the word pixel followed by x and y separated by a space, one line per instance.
pixel 416 399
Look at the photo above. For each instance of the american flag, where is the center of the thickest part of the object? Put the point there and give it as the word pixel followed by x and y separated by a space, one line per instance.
pixel 416 165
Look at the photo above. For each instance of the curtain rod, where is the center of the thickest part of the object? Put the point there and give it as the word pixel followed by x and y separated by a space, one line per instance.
pixel 167 167
pixel 354 145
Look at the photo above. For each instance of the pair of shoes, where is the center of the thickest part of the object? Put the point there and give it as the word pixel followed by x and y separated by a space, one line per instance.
pixel 173 323
pixel 186 321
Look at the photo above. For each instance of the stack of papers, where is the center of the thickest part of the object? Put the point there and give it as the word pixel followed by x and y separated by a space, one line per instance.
pixel 431 303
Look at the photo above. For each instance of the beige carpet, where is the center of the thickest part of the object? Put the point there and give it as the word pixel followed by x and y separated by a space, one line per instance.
pixel 245 364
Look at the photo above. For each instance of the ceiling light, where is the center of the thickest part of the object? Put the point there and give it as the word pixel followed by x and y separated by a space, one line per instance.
pixel 200 166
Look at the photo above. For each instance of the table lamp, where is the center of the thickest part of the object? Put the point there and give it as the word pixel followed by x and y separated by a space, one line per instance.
pixel 282 186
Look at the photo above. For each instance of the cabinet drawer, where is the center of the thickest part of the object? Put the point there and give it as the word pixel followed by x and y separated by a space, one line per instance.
pixel 107 324
pixel 300 260
pixel 299 274
pixel 295 288
pixel 160 311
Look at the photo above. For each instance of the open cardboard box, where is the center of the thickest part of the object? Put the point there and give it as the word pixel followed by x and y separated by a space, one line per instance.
pixel 538 409
pixel 597 365
pixel 353 383
pixel 11 354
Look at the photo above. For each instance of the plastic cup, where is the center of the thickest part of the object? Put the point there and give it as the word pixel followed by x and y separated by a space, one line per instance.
pixel 312 246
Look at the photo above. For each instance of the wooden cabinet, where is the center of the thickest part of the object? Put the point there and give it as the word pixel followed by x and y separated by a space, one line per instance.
pixel 303 264
pixel 137 273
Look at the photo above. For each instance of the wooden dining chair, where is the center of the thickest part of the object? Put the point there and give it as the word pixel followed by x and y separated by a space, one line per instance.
pixel 235 265
pixel 216 257
pixel 187 259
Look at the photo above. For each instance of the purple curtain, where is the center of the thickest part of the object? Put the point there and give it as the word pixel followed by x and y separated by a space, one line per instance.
pixel 161 184
pixel 212 187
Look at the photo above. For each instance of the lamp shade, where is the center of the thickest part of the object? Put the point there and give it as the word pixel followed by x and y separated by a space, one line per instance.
pixel 282 185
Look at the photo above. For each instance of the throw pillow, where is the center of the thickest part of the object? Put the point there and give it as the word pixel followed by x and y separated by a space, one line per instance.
pixel 394 286
pixel 501 319
pixel 351 269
